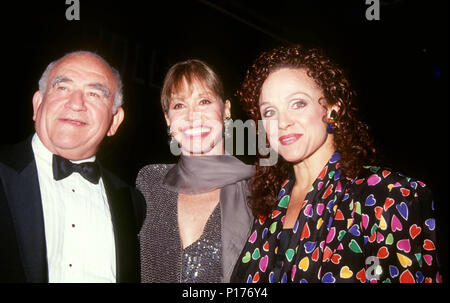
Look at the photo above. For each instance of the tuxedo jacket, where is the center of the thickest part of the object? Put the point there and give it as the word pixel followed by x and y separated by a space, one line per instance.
pixel 23 255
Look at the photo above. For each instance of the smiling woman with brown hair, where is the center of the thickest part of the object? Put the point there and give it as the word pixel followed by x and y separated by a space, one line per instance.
pixel 322 215
pixel 197 214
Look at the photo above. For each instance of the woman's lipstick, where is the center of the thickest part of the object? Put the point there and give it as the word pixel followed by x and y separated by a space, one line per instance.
pixel 289 139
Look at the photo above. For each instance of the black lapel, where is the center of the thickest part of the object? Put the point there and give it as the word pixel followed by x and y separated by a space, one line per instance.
pixel 125 230
pixel 24 198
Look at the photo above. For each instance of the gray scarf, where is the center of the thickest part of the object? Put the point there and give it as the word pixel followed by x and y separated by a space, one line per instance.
pixel 195 175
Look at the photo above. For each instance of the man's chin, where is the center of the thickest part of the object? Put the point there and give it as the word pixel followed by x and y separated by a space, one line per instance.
pixel 73 150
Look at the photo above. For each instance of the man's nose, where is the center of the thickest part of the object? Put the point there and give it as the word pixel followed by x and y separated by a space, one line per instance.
pixel 76 101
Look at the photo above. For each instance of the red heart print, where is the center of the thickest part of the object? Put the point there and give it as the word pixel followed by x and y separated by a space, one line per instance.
pixel 275 213
pixel 266 246
pixel 405 192
pixel 305 232
pixel 388 203
pixel 327 254
pixel 262 219
pixel 336 258
pixel 378 212
pixel 407 277
pixel 339 215
pixel 328 191
pixel 414 231
pixel 373 237
pixel 315 255
pixel 359 181
pixel 428 245
pixel 256 277
pixel 322 173
pixel 383 253
pixel 361 275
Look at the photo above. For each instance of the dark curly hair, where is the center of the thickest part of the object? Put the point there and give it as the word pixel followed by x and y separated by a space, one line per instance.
pixel 351 138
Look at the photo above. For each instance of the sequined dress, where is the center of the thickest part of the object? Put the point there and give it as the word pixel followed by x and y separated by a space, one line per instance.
pixel 212 257
pixel 201 261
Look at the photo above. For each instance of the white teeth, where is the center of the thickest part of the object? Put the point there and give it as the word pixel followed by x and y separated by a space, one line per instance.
pixel 197 131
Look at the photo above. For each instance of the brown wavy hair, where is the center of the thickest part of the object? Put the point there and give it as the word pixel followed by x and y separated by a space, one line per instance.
pixel 351 138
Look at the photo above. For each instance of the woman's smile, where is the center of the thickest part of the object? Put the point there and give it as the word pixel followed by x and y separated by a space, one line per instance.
pixel 199 131
pixel 289 139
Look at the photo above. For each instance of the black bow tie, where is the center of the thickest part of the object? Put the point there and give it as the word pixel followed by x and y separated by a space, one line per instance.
pixel 63 168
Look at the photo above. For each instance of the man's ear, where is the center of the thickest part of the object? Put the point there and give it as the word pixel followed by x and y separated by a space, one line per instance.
pixel 227 109
pixel 116 121
pixel 37 100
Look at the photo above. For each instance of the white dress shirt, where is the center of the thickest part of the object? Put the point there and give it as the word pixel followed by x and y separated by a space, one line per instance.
pixel 78 228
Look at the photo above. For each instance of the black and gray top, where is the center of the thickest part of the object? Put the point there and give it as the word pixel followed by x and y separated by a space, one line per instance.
pixel 212 257
pixel 202 260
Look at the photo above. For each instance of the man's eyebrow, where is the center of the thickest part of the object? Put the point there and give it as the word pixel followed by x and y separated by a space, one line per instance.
pixel 101 87
pixel 59 79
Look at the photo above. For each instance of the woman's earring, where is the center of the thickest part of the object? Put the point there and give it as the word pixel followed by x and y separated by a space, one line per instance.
pixel 171 141
pixel 332 122
pixel 227 128
pixel 174 146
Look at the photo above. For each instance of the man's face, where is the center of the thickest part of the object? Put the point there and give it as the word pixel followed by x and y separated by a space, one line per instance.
pixel 75 112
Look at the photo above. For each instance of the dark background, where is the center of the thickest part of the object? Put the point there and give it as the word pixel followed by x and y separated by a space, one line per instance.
pixel 398 66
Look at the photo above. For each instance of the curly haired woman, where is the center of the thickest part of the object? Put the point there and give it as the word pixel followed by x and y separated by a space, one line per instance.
pixel 322 214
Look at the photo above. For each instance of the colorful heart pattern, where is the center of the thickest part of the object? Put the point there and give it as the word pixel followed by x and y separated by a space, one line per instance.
pixel 342 223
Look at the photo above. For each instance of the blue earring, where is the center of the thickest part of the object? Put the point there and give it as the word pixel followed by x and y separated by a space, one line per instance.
pixel 332 122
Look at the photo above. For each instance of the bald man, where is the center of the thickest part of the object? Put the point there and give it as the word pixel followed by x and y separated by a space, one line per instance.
pixel 63 217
